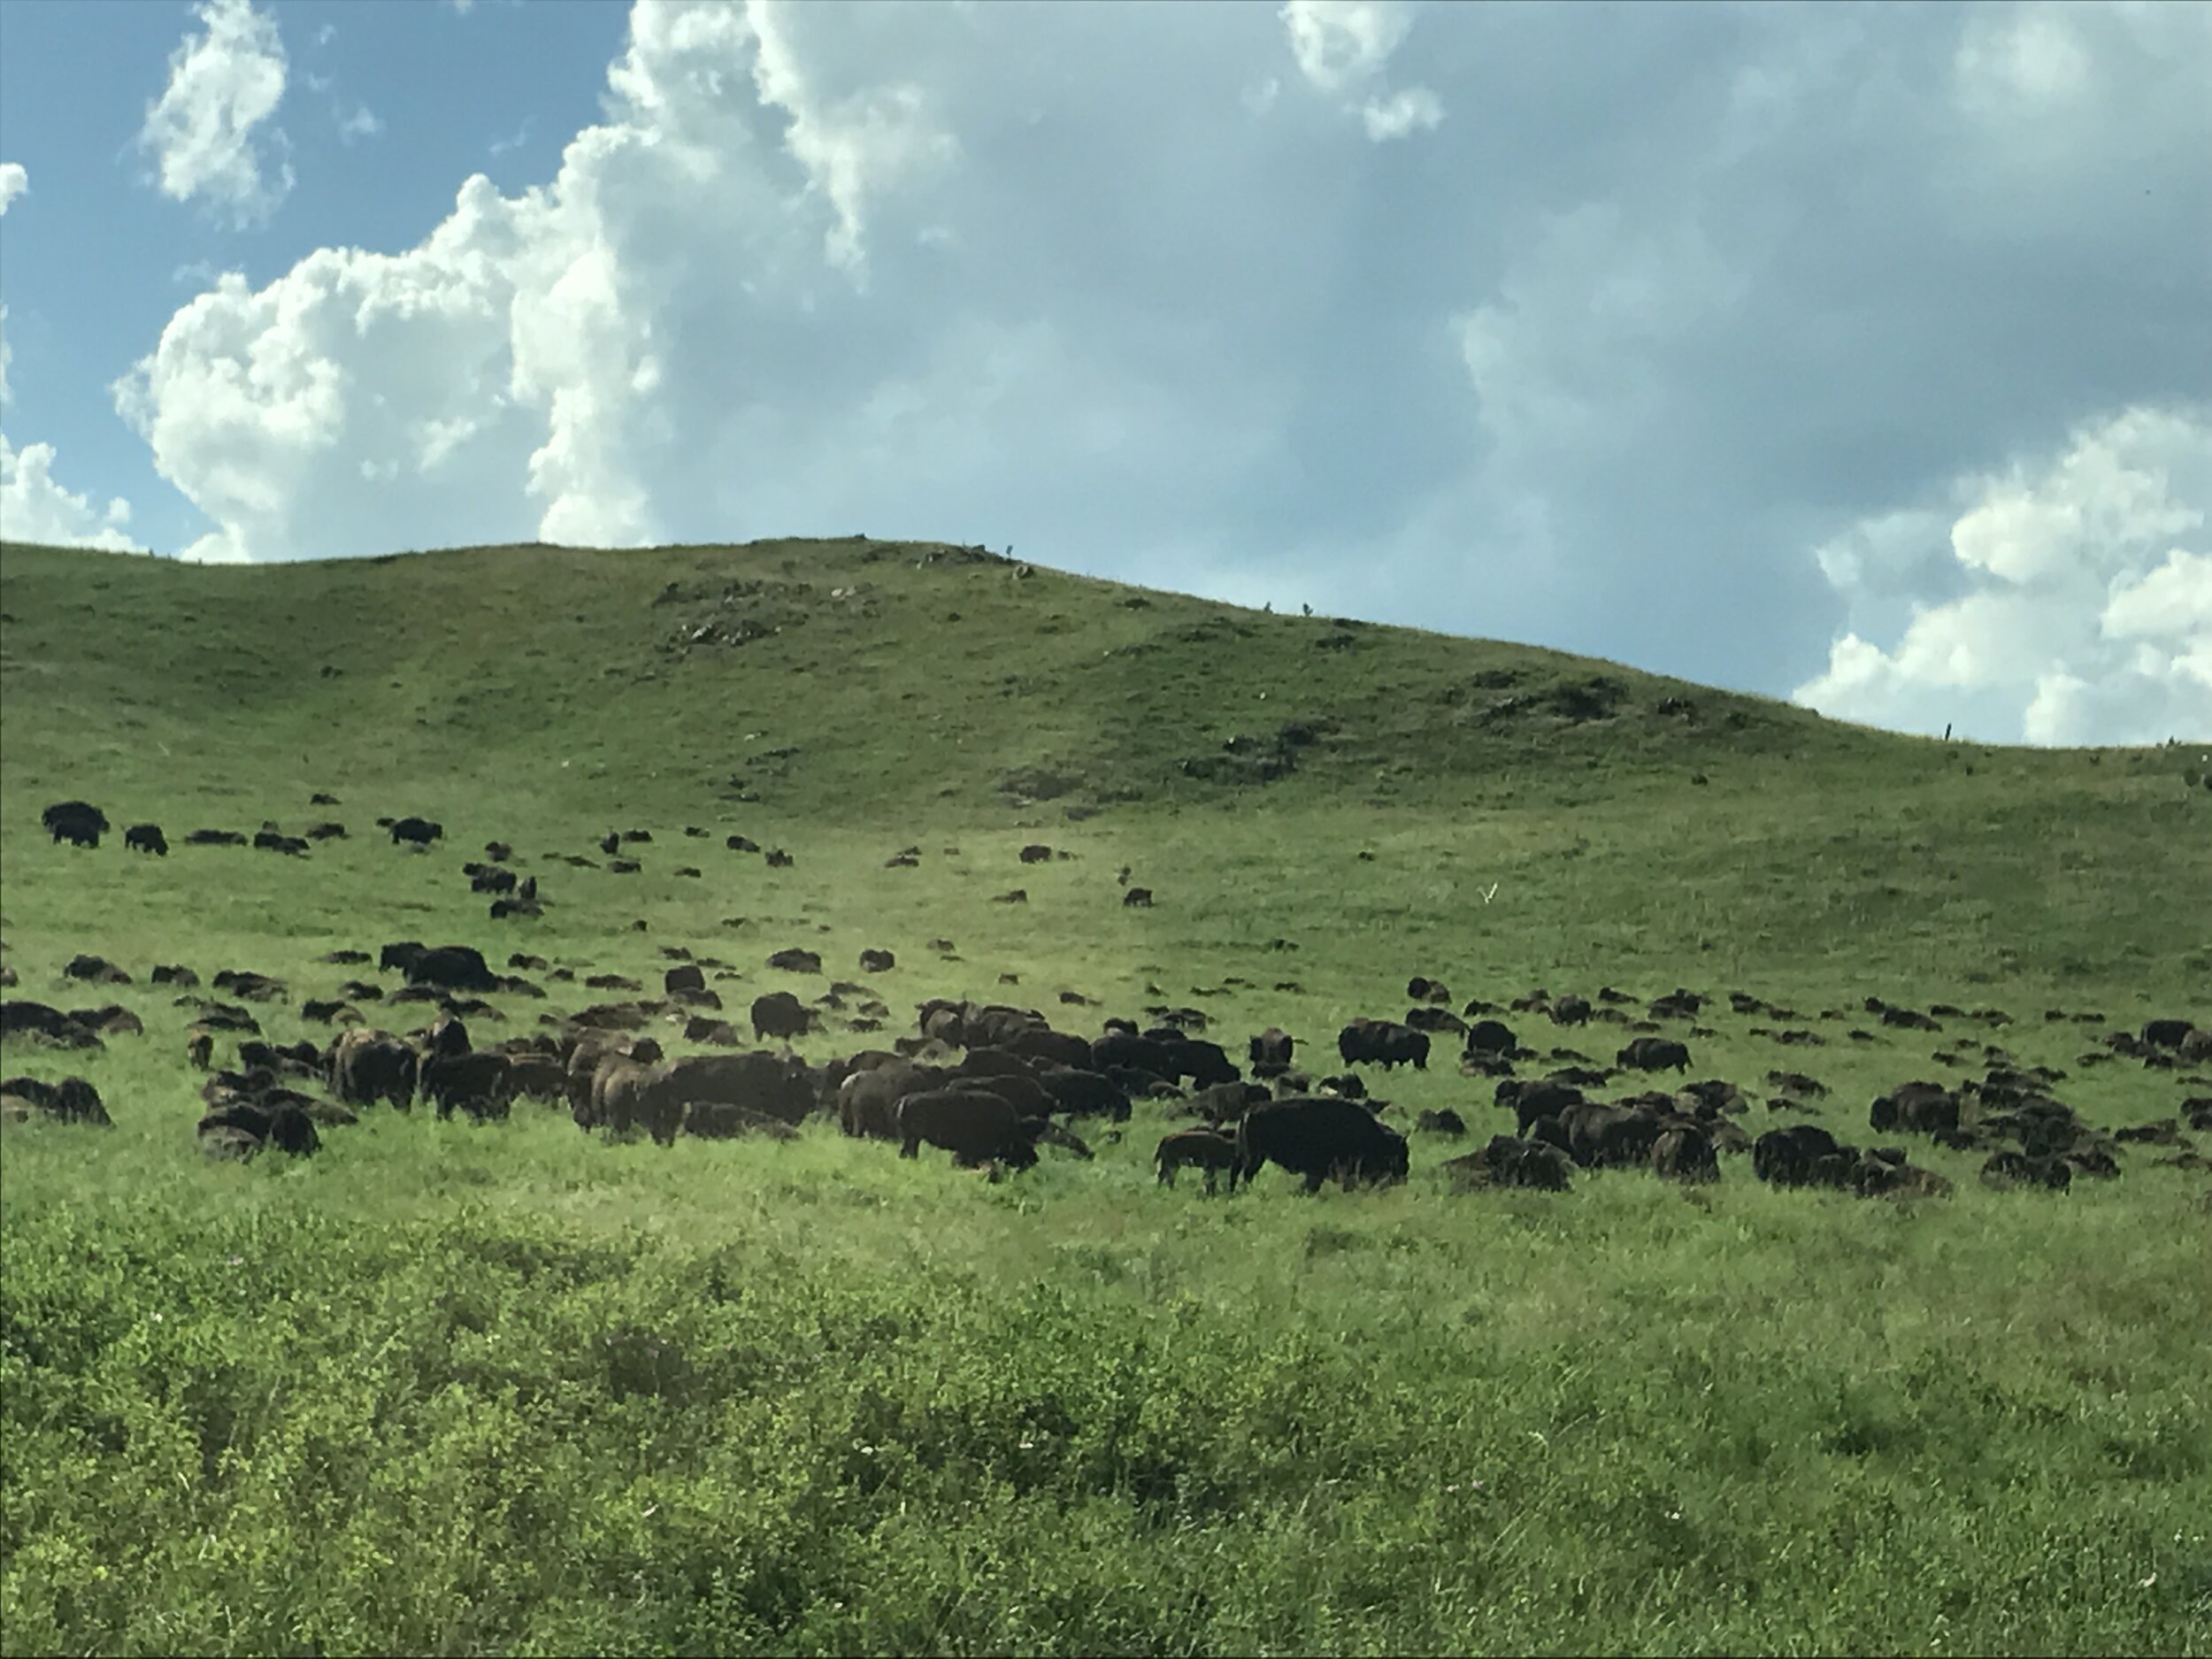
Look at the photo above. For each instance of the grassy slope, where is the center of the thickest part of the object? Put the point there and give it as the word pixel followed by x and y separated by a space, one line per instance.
pixel 516 1390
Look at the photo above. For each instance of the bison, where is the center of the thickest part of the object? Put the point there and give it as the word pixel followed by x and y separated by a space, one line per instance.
pixel 147 838
pixel 1654 1053
pixel 975 1126
pixel 420 831
pixel 1318 1137
pixel 79 822
pixel 780 1015
pixel 371 1065
pixel 1207 1150
pixel 1270 1052
pixel 1385 1043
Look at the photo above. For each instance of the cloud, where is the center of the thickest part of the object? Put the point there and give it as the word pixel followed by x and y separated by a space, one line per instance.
pixel 1689 340
pixel 224 84
pixel 1343 46
pixel 358 122
pixel 34 506
pixel 2079 613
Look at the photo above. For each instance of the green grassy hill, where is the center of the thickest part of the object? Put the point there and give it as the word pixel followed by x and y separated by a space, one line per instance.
pixel 512 1388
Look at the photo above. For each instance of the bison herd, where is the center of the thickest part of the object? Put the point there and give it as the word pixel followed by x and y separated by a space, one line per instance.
pixel 991 1084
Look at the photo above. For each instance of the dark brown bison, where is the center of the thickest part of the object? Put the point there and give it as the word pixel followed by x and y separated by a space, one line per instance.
pixel 199 1047
pixel 780 1015
pixel 868 1100
pixel 95 971
pixel 1600 1136
pixel 71 1101
pixel 419 832
pixel 1137 899
pixel 1654 1054
pixel 775 1084
pixel 877 962
pixel 446 967
pixel 2166 1033
pixel 1490 1036
pixel 79 822
pixel 688 977
pixel 147 838
pixel 796 961
pixel 372 1066
pixel 1320 1138
pixel 1081 1092
pixel 1036 853
pixel 1684 1152
pixel 1270 1052
pixel 1383 1042
pixel 1509 1161
pixel 240 1128
pixel 478 1084
pixel 326 832
pixel 972 1125
pixel 1207 1149
pixel 214 838
pixel 1800 1156
pixel 1917 1108
pixel 1445 1122
pixel 1571 1011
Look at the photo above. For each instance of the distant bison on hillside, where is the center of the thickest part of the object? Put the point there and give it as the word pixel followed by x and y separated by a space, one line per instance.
pixel 76 821
pixel 147 838
pixel 420 831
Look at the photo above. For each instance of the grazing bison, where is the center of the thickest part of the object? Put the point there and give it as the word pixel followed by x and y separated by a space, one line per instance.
pixel 95 971
pixel 1919 1109
pixel 1137 899
pixel 1684 1152
pixel 780 1015
pixel 688 977
pixel 1571 1011
pixel 1490 1036
pixel 1207 1149
pixel 199 1047
pixel 75 821
pixel 1509 1161
pixel 326 832
pixel 868 1101
pixel 214 838
pixel 1035 853
pixel 1654 1054
pixel 478 1084
pixel 796 961
pixel 1385 1043
pixel 241 1128
pixel 147 838
pixel 446 967
pixel 1796 1157
pixel 1445 1122
pixel 420 831
pixel 491 879
pixel 972 1125
pixel 1318 1138
pixel 373 1065
pixel 1270 1052
pixel 1081 1092
pixel 773 1084
pixel 71 1101
pixel 1602 1137
pixel 877 962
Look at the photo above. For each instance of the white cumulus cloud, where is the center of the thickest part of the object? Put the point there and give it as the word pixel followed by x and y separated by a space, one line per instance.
pixel 1342 47
pixel 34 506
pixel 2086 608
pixel 206 132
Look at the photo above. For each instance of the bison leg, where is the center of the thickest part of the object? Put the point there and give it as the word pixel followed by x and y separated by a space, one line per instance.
pixel 911 1147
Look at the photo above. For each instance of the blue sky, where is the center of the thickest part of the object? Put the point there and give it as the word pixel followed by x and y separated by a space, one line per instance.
pixel 1862 354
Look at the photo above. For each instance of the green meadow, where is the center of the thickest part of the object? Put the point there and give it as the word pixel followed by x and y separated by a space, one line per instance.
pixel 459 1389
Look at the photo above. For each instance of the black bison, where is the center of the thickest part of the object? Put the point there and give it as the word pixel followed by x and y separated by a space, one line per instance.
pixel 446 967
pixel 741 844
pixel 76 821
pixel 1919 1109
pixel 1509 1161
pixel 1684 1152
pixel 214 838
pixel 1137 899
pixel 868 1101
pixel 1270 1052
pixel 1571 1011
pixel 1803 1155
pixel 1385 1043
pixel 1318 1138
pixel 974 1125
pixel 1490 1036
pixel 773 1084
pixel 1600 1136
pixel 147 838
pixel 71 1101
pixel 1035 853
pixel 240 1128
pixel 478 1084
pixel 877 962
pixel 688 977
pixel 1654 1054
pixel 1207 1149
pixel 1445 1122
pixel 796 961
pixel 1081 1092
pixel 420 832
pixel 1533 1099
pixel 2166 1033
pixel 199 1048
pixel 372 1066
pixel 780 1015
pixel 326 832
